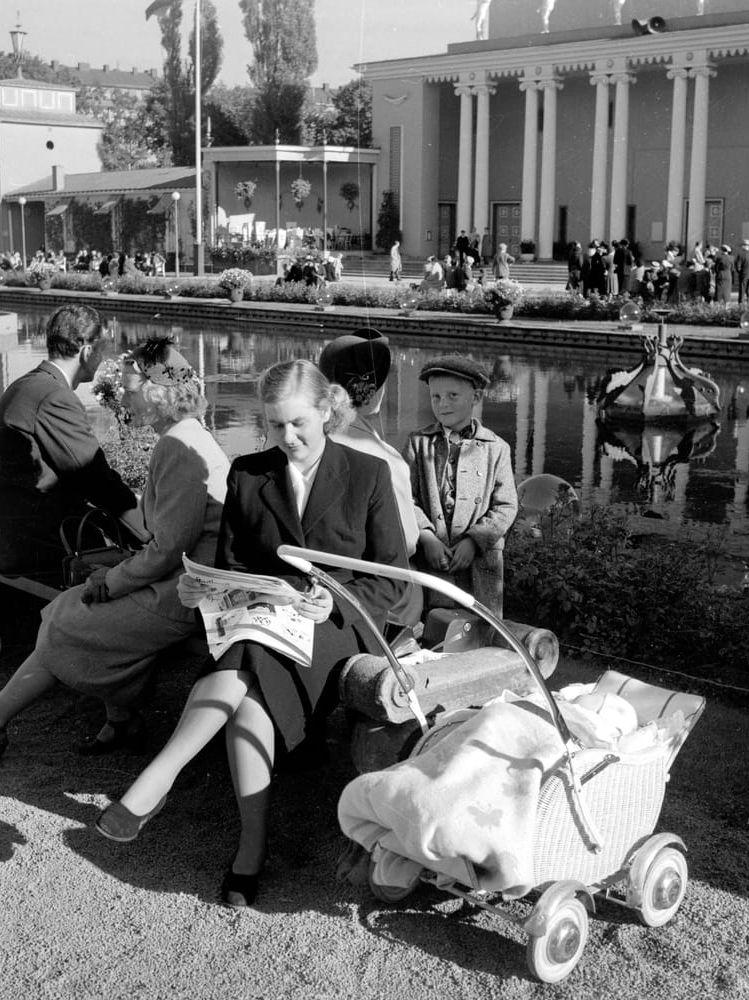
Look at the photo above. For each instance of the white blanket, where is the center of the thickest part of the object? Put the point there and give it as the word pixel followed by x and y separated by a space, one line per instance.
pixel 464 807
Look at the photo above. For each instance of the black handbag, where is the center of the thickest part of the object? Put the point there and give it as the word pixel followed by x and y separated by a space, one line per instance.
pixel 80 561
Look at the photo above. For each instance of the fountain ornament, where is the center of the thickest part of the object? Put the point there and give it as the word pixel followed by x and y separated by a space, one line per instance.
pixel 660 388
pixel 409 301
pixel 324 296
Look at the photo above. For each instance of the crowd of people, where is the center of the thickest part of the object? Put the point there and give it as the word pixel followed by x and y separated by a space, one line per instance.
pixel 312 270
pixel 114 264
pixel 326 480
pixel 702 274
pixel 462 268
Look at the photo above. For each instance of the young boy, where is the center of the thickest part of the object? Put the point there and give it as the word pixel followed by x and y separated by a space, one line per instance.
pixel 462 482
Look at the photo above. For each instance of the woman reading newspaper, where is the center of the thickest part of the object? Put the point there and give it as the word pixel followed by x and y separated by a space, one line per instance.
pixel 303 490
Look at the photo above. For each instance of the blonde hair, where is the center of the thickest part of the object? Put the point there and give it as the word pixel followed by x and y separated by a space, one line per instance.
pixel 175 402
pixel 303 378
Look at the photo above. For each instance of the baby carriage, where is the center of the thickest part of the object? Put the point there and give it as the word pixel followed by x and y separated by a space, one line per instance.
pixel 564 815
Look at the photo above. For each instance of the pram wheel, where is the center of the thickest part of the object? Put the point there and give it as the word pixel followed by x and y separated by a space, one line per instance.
pixel 388 893
pixel 663 887
pixel 552 956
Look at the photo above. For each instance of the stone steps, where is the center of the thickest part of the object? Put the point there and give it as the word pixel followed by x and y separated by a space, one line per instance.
pixel 378 265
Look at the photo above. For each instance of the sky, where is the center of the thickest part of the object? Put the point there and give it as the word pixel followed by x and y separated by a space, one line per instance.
pixel 115 32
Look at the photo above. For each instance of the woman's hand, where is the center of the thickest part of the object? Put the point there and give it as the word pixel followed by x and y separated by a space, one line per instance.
pixel 463 554
pixel 437 555
pixel 95 590
pixel 315 604
pixel 191 591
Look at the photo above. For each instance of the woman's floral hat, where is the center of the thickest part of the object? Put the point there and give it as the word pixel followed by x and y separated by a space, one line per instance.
pixel 160 362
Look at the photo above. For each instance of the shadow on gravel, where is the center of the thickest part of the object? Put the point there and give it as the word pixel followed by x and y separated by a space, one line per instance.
pixel 9 835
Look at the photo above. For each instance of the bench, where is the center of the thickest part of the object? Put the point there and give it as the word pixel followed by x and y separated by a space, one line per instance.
pixel 34 587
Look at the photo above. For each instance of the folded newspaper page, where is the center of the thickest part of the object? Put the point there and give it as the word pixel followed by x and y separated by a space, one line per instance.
pixel 252 608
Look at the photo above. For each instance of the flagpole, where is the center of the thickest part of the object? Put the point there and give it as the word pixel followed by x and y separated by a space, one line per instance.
pixel 198 256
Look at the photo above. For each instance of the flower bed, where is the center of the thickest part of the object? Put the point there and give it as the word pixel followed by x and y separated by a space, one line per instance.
pixel 561 307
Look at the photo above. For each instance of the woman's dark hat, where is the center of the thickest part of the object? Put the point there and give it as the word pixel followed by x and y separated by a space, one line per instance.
pixel 458 366
pixel 359 361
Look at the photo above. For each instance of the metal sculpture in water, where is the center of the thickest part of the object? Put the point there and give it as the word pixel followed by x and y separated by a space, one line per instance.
pixel 660 388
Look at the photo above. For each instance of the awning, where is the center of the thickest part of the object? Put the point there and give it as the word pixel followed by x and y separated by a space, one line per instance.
pixel 106 207
pixel 58 209
pixel 162 205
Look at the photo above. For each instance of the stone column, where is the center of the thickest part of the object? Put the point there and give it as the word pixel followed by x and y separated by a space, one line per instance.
pixel 481 186
pixel 465 151
pixel 698 163
pixel 547 200
pixel 598 186
pixel 675 202
pixel 530 161
pixel 619 157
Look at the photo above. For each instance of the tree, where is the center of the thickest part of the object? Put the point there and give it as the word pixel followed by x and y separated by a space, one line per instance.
pixel 35 68
pixel 388 222
pixel 347 122
pixel 179 77
pixel 283 38
pixel 284 46
pixel 230 111
pixel 129 140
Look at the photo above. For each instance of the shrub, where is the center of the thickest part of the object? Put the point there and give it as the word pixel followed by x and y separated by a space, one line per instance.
pixel 605 591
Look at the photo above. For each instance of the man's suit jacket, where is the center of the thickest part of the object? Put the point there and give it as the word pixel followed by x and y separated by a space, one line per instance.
pixel 351 511
pixel 50 464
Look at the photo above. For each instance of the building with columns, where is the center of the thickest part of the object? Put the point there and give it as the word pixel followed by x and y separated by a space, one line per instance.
pixel 569 123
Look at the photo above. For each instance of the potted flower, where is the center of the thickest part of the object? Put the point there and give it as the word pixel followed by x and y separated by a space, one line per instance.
pixel 527 250
pixel 40 274
pixel 300 190
pixel 234 281
pixel 246 191
pixel 503 297
pixel 350 194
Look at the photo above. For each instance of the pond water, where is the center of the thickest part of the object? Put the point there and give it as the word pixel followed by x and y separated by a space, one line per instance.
pixel 541 402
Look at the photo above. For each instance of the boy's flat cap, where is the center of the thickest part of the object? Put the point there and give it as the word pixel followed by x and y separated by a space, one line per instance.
pixel 458 366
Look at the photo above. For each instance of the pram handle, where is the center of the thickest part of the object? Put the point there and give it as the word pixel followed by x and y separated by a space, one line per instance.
pixel 303 559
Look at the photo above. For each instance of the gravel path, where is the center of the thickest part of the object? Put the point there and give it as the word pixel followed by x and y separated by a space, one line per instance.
pixel 84 918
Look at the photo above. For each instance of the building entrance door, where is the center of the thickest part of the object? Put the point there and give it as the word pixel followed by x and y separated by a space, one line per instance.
pixel 446 230
pixel 506 225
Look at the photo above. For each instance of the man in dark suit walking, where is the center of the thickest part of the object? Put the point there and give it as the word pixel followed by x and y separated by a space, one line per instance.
pixel 741 266
pixel 51 464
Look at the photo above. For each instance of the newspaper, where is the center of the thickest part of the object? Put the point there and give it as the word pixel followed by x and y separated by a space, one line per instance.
pixel 252 608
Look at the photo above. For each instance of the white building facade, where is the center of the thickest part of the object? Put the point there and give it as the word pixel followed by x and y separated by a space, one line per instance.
pixel 566 123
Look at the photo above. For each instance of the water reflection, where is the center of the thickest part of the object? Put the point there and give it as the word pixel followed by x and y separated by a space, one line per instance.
pixel 541 402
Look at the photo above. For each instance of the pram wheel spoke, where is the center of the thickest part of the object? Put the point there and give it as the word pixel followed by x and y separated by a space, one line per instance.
pixel 553 955
pixel 663 887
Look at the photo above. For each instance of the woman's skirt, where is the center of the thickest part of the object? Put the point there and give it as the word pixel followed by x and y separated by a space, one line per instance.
pixel 296 697
pixel 105 650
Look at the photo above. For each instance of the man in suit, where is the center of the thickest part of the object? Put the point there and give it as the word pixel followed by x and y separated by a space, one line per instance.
pixel 741 266
pixel 51 465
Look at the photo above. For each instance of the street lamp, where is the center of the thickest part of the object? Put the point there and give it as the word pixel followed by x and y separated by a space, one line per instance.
pixel 17 37
pixel 22 203
pixel 175 198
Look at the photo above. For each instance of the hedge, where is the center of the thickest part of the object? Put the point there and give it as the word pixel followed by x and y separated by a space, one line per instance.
pixel 568 306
